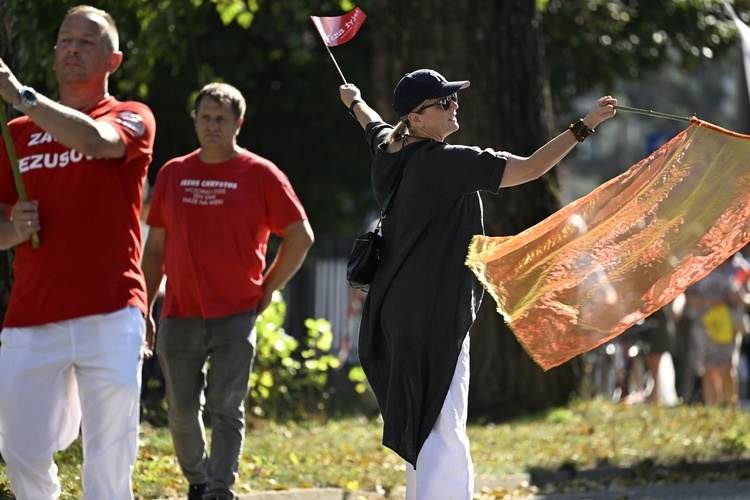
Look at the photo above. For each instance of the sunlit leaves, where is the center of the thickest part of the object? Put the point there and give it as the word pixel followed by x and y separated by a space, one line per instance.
pixel 598 42
pixel 357 375
pixel 290 375
pixel 347 5
pixel 240 11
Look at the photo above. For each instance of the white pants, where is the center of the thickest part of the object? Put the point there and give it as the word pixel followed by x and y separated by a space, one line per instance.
pixel 57 377
pixel 444 467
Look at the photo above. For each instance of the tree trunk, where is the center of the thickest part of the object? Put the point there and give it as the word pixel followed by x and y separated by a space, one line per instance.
pixel 496 45
pixel 7 55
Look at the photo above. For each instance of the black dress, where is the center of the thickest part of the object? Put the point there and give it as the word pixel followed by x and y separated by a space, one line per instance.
pixel 424 298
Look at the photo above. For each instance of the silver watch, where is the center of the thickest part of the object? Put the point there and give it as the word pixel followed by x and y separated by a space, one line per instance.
pixel 28 99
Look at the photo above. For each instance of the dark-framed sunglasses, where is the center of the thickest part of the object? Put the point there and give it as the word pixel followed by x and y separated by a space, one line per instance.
pixel 445 102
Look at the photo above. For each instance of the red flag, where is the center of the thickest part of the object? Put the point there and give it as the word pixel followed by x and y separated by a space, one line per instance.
pixel 338 30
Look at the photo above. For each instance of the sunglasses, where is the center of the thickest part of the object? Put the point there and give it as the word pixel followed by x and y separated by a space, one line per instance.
pixel 445 102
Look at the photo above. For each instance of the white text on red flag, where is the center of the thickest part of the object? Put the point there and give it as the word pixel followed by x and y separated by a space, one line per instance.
pixel 338 30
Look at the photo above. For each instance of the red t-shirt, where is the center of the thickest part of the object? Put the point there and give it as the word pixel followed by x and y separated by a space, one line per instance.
pixel 89 258
pixel 218 218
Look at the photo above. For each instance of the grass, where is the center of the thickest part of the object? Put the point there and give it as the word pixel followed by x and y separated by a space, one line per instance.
pixel 346 453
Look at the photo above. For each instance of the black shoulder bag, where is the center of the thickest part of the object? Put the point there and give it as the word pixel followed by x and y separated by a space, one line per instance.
pixel 365 255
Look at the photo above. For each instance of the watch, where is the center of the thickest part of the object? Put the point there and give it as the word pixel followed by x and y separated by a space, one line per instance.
pixel 28 99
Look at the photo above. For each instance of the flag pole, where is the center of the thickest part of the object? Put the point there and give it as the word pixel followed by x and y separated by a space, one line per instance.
pixel 10 148
pixel 653 113
pixel 334 62
pixel 335 30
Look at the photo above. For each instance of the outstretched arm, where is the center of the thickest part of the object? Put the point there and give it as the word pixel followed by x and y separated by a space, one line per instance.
pixel 363 113
pixel 519 170
pixel 68 126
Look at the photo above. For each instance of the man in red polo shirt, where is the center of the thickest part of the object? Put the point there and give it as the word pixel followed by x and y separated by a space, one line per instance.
pixel 73 337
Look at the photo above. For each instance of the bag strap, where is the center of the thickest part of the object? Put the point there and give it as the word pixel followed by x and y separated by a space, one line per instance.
pixel 408 153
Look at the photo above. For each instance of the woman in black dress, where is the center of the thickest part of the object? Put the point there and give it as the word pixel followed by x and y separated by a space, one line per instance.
pixel 413 343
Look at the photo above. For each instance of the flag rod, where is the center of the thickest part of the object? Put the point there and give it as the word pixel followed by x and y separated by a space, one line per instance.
pixel 334 62
pixel 10 148
pixel 652 113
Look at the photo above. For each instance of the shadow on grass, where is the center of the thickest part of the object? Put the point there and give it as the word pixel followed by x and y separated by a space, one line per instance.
pixel 646 471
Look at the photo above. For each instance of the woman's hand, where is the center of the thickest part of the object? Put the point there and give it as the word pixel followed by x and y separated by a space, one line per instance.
pixel 364 114
pixel 604 110
pixel 349 92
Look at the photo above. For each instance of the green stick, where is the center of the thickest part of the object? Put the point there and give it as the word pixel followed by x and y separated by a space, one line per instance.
pixel 10 147
pixel 652 113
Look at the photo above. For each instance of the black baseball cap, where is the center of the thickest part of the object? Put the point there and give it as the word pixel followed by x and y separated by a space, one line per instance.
pixel 420 85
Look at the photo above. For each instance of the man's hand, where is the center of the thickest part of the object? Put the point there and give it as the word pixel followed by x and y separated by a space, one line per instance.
pixel 148 350
pixel 9 85
pixel 265 301
pixel 25 217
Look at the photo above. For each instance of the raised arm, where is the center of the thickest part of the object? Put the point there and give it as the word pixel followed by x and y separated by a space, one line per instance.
pixel 520 169
pixel 352 99
pixel 67 125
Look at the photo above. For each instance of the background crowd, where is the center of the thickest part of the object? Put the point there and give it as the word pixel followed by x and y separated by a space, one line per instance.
pixel 694 350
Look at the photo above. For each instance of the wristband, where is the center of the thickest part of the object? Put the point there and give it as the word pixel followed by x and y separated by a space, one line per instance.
pixel 351 108
pixel 580 130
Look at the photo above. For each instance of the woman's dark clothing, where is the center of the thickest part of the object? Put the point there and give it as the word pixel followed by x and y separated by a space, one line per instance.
pixel 424 298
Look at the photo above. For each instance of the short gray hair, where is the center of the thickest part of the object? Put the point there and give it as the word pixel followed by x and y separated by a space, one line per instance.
pixel 225 94
pixel 111 28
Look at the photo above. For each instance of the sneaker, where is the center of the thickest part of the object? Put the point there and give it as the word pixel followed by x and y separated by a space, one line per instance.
pixel 219 494
pixel 195 491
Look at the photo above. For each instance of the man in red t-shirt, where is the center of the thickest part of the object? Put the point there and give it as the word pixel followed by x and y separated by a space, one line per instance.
pixel 212 212
pixel 73 337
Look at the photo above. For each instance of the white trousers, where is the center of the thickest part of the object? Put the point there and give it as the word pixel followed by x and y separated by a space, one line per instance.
pixel 444 467
pixel 57 377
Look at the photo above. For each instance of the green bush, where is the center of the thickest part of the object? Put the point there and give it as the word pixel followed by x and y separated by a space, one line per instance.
pixel 289 376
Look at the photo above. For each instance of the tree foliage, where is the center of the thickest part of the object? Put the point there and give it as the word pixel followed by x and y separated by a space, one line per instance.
pixel 602 42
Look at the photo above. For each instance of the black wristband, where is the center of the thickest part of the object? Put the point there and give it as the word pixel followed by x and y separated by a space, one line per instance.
pixel 351 108
pixel 580 130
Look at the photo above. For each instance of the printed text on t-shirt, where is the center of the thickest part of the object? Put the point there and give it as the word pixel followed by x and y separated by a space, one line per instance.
pixel 47 160
pixel 205 192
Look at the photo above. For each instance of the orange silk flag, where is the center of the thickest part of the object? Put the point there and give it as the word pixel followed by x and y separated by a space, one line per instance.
pixel 600 264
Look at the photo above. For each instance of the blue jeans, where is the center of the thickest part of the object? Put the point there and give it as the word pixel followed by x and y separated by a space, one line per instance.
pixel 207 360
